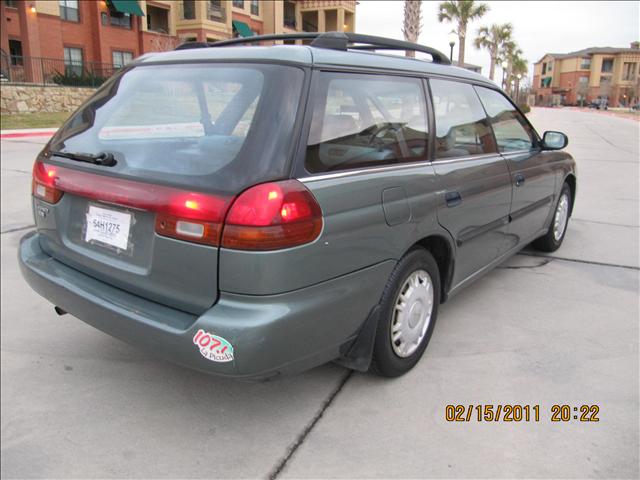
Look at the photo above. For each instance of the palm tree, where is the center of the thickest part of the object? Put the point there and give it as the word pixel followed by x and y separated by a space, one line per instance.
pixel 519 68
pixel 493 38
pixel 412 23
pixel 461 12
pixel 508 54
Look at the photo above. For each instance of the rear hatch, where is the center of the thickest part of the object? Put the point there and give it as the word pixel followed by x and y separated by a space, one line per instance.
pixel 134 188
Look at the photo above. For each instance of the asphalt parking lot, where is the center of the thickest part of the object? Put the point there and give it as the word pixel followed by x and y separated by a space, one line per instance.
pixel 541 331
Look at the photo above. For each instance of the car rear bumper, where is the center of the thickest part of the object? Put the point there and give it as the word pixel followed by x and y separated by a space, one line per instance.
pixel 270 335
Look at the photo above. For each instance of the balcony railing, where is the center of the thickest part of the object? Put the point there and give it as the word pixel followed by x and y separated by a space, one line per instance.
pixel 54 71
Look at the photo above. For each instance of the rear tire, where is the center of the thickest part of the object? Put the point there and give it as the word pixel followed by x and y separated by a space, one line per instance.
pixel 408 313
pixel 552 240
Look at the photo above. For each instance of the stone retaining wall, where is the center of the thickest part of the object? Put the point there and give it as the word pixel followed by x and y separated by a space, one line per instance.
pixel 32 98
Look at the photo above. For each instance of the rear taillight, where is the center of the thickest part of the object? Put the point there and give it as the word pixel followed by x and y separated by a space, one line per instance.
pixel 43 183
pixel 192 216
pixel 272 216
pixel 268 216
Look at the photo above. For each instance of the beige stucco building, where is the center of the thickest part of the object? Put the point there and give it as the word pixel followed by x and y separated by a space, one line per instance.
pixel 582 76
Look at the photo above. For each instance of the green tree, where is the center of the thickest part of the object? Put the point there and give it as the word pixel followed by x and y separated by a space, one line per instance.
pixel 520 68
pixel 492 39
pixel 412 22
pixel 461 12
pixel 509 53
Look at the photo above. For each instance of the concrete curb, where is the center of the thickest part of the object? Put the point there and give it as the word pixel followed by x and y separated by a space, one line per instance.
pixel 29 132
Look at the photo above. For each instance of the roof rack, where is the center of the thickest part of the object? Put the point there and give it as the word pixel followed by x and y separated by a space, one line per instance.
pixel 331 40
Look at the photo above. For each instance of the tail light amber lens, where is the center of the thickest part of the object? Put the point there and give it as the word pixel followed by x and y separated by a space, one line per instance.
pixel 272 216
pixel 43 183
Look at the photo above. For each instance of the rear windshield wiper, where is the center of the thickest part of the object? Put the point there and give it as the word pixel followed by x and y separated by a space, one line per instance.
pixel 104 158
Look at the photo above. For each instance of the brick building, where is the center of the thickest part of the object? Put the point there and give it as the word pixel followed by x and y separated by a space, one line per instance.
pixel 579 77
pixel 113 32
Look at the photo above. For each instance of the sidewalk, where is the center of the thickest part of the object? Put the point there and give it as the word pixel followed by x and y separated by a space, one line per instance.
pixel 611 112
pixel 27 132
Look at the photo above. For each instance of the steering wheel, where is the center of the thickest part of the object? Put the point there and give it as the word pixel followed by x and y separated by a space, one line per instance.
pixel 376 134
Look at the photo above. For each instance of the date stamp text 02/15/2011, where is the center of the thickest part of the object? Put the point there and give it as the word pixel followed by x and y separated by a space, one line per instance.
pixel 520 413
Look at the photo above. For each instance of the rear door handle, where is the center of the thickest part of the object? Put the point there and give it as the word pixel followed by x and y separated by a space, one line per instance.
pixel 519 180
pixel 453 199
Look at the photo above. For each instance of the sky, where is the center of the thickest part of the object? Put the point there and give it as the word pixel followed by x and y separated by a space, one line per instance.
pixel 539 26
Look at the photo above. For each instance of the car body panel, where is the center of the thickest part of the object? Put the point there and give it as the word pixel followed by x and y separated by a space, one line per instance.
pixel 270 335
pixel 287 310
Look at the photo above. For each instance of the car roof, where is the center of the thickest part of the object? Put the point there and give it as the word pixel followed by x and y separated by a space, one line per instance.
pixel 305 55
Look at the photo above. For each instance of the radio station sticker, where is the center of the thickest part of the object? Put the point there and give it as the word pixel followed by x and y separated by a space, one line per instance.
pixel 212 347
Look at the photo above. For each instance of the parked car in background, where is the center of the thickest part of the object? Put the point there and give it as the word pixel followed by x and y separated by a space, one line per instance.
pixel 599 104
pixel 256 211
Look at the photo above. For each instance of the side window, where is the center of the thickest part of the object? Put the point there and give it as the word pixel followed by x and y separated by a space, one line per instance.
pixel 366 120
pixel 462 128
pixel 510 128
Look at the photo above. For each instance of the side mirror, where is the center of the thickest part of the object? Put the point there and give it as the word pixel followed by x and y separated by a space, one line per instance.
pixel 554 141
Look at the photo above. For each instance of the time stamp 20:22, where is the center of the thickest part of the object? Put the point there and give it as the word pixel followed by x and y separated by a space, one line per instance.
pixel 520 413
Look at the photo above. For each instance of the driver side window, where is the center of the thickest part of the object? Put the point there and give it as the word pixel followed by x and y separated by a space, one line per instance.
pixel 511 130
pixel 366 120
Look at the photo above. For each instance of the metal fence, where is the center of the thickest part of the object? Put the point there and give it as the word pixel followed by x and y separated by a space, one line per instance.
pixel 54 71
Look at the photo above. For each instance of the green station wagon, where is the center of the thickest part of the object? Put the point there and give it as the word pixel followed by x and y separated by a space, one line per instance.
pixel 252 211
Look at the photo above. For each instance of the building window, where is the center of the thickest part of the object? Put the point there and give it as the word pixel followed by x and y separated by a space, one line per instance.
pixel 120 59
pixel 238 4
pixel 73 61
pixel 189 9
pixel 545 82
pixel 549 66
pixel 15 52
pixel 216 12
pixel 629 71
pixel 585 63
pixel 11 3
pixel 255 7
pixel 119 19
pixel 607 65
pixel 157 19
pixel 69 10
pixel 289 14
pixel 544 68
pixel 583 80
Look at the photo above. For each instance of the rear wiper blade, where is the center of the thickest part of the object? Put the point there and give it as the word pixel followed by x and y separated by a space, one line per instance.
pixel 104 158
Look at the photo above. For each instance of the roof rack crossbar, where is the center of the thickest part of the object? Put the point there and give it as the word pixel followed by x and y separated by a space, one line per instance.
pixel 331 40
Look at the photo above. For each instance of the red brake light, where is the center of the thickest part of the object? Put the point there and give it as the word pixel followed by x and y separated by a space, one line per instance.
pixel 43 184
pixel 192 216
pixel 272 216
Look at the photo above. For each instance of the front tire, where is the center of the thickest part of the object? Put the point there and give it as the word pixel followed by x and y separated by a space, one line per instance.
pixel 552 240
pixel 408 313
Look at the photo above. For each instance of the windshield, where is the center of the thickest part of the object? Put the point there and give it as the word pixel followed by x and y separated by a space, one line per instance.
pixel 216 127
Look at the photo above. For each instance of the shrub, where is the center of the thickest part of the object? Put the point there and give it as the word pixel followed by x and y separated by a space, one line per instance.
pixel 71 78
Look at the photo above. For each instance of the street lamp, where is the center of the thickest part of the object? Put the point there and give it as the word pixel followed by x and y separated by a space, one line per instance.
pixel 519 77
pixel 452 41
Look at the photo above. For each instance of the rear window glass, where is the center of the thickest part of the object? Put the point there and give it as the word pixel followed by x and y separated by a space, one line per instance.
pixel 190 123
pixel 366 120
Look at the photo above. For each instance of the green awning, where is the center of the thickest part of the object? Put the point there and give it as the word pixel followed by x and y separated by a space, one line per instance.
pixel 127 6
pixel 242 28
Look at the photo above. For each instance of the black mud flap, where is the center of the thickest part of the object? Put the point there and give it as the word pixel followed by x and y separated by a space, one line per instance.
pixel 358 353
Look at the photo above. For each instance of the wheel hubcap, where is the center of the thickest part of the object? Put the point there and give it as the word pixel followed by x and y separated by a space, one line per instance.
pixel 561 217
pixel 411 313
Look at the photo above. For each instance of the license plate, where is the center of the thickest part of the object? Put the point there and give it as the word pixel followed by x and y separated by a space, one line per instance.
pixel 108 226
